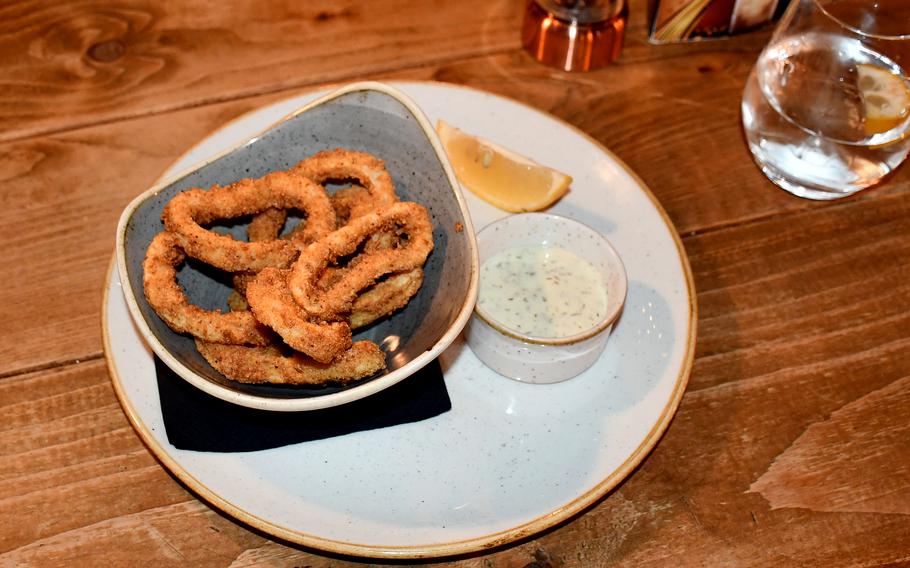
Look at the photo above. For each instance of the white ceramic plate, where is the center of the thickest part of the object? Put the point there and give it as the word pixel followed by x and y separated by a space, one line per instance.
pixel 510 459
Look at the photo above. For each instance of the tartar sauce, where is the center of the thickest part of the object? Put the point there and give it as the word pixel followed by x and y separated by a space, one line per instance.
pixel 543 291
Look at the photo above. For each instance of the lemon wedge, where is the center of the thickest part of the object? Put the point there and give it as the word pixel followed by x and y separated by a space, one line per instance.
pixel 501 177
pixel 886 98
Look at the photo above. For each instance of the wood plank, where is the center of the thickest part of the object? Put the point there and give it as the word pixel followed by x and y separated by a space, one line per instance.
pixel 724 439
pixel 77 484
pixel 687 498
pixel 71 64
pixel 831 284
pixel 853 461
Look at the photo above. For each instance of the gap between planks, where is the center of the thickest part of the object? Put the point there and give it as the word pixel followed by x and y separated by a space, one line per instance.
pixel 54 365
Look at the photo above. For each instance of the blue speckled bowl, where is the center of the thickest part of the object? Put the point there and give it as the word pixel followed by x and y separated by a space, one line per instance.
pixel 369 117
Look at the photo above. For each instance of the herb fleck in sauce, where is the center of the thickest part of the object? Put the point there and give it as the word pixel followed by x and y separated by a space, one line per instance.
pixel 542 291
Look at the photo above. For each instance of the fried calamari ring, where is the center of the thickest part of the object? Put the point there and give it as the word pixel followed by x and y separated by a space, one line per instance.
pixel 385 297
pixel 367 267
pixel 187 211
pixel 340 164
pixel 263 227
pixel 347 202
pixel 272 304
pixel 165 296
pixel 270 365
pixel 377 188
pixel 379 300
pixel 241 280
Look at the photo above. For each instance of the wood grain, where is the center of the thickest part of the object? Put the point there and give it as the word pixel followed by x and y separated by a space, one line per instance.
pixel 73 64
pixel 790 446
pixel 851 462
pixel 824 286
pixel 77 485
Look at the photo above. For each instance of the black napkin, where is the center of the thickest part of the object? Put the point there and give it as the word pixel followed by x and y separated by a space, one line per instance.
pixel 195 420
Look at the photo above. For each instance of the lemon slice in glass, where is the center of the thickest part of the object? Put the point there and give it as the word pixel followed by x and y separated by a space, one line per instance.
pixel 886 98
pixel 499 176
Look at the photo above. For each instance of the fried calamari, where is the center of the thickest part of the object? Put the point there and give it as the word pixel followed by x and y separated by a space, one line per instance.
pixel 170 302
pixel 272 304
pixel 185 214
pixel 409 221
pixel 356 257
pixel 270 364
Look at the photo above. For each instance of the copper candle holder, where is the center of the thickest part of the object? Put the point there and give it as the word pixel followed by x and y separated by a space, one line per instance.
pixel 574 35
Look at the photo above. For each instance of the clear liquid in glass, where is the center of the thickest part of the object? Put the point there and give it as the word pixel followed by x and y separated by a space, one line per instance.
pixel 805 122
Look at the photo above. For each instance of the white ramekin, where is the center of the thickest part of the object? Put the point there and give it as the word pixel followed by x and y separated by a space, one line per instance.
pixel 535 359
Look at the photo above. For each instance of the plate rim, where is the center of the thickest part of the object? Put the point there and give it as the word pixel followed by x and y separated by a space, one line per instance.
pixel 487 542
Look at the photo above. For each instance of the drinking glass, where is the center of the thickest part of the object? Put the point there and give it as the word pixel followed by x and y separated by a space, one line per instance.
pixel 826 109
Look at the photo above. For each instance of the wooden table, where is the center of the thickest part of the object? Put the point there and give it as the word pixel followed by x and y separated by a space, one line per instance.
pixel 791 446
